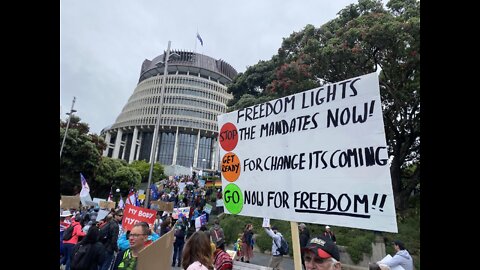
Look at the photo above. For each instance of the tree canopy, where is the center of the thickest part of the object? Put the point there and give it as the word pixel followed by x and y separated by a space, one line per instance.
pixel 363 38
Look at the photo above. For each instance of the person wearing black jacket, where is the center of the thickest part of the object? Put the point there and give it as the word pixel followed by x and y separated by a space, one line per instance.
pixel 109 236
pixel 88 254
pixel 304 237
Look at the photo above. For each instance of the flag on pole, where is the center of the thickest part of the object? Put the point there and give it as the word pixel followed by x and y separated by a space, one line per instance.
pixel 200 38
pixel 154 192
pixel 131 199
pixel 110 196
pixel 137 201
pixel 85 188
pixel 121 204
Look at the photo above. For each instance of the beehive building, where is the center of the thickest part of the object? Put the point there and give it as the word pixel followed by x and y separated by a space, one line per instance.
pixel 195 93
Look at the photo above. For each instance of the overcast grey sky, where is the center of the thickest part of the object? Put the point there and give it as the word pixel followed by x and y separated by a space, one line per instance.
pixel 103 43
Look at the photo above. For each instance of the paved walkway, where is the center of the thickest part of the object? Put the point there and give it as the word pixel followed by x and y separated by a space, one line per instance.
pixel 264 260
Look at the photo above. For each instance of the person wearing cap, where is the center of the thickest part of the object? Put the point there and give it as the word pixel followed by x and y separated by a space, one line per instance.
pixel 277 258
pixel 321 253
pixel 222 261
pixel 402 257
pixel 328 233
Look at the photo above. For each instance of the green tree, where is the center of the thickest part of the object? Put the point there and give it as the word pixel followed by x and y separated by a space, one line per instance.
pixel 105 174
pixel 364 38
pixel 81 154
pixel 143 168
pixel 125 178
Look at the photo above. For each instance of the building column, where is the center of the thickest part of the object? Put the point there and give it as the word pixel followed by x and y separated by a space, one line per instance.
pixel 108 137
pixel 139 146
pixel 175 149
pixel 118 140
pixel 133 146
pixel 124 145
pixel 213 160
pixel 195 157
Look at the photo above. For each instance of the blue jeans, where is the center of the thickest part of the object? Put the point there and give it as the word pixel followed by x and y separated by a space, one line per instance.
pixel 107 260
pixel 67 255
pixel 177 252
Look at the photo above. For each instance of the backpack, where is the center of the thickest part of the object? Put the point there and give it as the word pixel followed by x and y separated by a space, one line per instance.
pixel 283 248
pixel 80 259
pixel 68 233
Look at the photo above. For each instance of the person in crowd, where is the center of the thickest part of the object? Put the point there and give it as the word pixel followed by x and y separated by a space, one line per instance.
pixel 124 243
pixel 137 238
pixel 93 257
pixel 304 237
pixel 237 246
pixel 277 258
pixel 216 232
pixel 64 223
pixel 401 258
pixel 69 244
pixel 197 254
pixel 179 234
pixel 109 237
pixel 247 244
pixel 222 260
pixel 328 233
pixel 322 253
pixel 166 226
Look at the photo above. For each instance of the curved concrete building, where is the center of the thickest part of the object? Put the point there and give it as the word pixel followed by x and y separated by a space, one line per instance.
pixel 195 93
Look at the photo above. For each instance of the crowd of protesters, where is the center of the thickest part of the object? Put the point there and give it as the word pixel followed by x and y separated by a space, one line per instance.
pixel 105 245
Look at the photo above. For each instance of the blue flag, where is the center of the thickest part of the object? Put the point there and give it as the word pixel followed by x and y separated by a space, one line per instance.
pixel 200 38
pixel 155 194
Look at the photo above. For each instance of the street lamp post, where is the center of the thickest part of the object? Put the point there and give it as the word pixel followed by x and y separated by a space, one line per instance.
pixel 68 123
pixel 157 125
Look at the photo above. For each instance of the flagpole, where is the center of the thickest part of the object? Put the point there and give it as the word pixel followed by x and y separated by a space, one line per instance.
pixel 157 125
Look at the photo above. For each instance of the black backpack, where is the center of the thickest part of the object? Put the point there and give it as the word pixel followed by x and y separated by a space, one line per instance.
pixel 68 233
pixel 283 248
pixel 80 259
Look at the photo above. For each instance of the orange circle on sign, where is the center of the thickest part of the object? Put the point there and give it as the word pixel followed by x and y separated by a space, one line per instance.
pixel 231 167
pixel 228 136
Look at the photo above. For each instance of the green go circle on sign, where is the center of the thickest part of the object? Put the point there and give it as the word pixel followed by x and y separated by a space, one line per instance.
pixel 233 198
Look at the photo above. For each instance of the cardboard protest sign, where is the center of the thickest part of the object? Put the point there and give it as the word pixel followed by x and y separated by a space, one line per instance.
pixel 319 156
pixel 70 202
pixel 163 206
pixel 133 214
pixel 158 255
pixel 106 205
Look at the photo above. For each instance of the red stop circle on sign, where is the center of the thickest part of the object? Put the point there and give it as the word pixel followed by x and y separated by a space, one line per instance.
pixel 228 136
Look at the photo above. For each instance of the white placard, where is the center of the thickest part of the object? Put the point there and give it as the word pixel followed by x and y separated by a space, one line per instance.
pixel 266 223
pixel 319 156
pixel 389 257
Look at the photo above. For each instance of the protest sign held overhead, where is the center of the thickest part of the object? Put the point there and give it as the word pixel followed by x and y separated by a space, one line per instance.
pixel 318 156
pixel 134 214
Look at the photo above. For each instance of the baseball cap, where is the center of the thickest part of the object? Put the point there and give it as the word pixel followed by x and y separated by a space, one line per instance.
pixel 323 247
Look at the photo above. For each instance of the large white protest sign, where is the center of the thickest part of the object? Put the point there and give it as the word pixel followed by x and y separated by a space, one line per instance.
pixel 319 156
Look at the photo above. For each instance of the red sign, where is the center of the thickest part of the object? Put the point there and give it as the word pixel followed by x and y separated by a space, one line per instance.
pixel 134 214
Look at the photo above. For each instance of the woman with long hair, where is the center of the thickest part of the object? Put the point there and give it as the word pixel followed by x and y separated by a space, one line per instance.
pixel 197 253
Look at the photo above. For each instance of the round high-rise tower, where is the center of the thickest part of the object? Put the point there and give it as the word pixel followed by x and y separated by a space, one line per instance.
pixel 195 93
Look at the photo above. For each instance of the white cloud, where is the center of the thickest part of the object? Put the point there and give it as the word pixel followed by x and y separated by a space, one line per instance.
pixel 103 43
